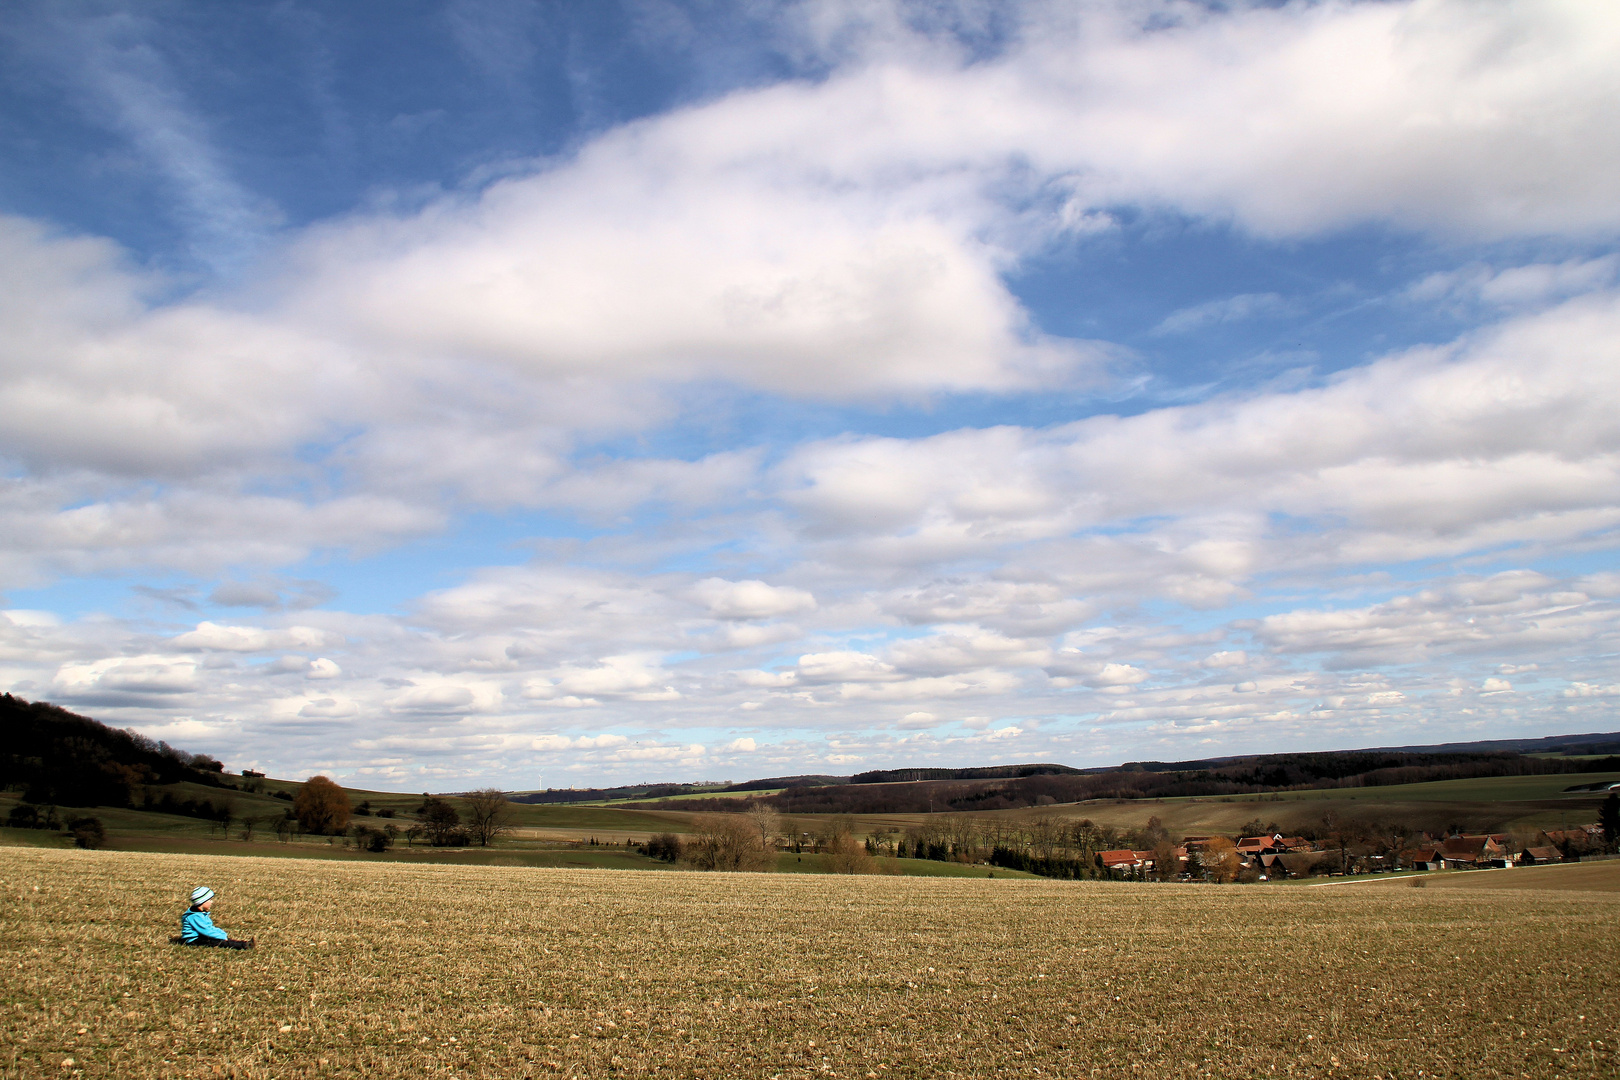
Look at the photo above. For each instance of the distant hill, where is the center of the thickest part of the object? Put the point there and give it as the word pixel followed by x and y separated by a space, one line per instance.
pixel 62 758
pixel 1567 745
pixel 989 772
pixel 916 791
pixel 669 790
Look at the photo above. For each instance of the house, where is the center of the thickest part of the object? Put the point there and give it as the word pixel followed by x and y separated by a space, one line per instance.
pixel 1123 859
pixel 1250 847
pixel 1478 850
pixel 1535 856
pixel 1293 843
pixel 1426 859
pixel 1272 866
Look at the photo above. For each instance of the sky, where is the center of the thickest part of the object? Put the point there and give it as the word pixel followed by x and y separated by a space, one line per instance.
pixel 545 394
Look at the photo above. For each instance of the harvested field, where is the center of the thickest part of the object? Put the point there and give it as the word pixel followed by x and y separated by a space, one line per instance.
pixel 395 970
pixel 1601 876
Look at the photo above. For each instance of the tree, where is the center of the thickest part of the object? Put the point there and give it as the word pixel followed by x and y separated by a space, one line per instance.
pixel 489 815
pixel 1221 859
pixel 767 822
pixel 726 842
pixel 441 822
pixel 1609 815
pixel 322 807
pixel 1166 863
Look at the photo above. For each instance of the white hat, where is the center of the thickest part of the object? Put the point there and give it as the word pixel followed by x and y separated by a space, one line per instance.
pixel 201 895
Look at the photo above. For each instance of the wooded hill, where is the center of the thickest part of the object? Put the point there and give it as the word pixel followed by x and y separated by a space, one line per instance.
pixel 58 757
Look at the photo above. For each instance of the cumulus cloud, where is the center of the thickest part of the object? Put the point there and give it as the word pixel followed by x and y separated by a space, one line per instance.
pixel 751 599
pixel 118 679
pixel 247 639
pixel 850 238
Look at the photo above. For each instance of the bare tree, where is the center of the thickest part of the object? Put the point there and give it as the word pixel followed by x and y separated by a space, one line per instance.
pixel 767 822
pixel 489 815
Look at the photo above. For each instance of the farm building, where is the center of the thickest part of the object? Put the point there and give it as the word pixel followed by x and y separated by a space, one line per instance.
pixel 1478 850
pixel 1427 859
pixel 1535 856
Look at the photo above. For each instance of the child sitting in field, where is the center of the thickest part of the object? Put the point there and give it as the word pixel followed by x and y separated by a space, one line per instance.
pixel 197 926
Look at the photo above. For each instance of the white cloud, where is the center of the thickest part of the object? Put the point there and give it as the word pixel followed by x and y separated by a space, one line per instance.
pixel 918 721
pixel 751 599
pixel 390 369
pixel 248 639
pixel 114 677
pixel 329 709
pixel 322 668
pixel 1517 286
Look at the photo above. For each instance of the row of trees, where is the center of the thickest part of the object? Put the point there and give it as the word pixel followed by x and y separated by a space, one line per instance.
pixel 749 841
pixel 323 808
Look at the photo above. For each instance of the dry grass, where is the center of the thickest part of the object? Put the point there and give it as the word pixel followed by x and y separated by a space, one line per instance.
pixel 408 971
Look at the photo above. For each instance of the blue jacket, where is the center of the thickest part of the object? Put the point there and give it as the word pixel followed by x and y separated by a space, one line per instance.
pixel 196 924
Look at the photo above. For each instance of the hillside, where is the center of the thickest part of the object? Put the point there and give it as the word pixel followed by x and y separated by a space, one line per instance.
pixel 60 757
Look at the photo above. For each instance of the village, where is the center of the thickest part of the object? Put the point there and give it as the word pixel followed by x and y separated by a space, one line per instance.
pixel 1270 857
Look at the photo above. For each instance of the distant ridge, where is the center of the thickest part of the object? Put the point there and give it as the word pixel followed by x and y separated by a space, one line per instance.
pixel 989 772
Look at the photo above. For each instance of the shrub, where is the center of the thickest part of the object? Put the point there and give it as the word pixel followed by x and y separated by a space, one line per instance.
pixel 377 840
pixel 23 816
pixel 88 832
pixel 727 842
pixel 664 846
pixel 846 855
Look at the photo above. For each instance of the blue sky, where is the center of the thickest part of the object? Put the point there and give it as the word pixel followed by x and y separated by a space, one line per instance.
pixel 521 393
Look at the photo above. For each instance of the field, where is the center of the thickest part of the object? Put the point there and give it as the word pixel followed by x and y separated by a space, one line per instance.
pixel 397 970
pixel 1602 876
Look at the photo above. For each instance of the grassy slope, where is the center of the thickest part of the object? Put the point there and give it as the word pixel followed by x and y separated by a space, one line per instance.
pixel 412 971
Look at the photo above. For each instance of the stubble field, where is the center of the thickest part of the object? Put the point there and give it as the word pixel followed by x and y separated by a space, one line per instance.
pixel 406 971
